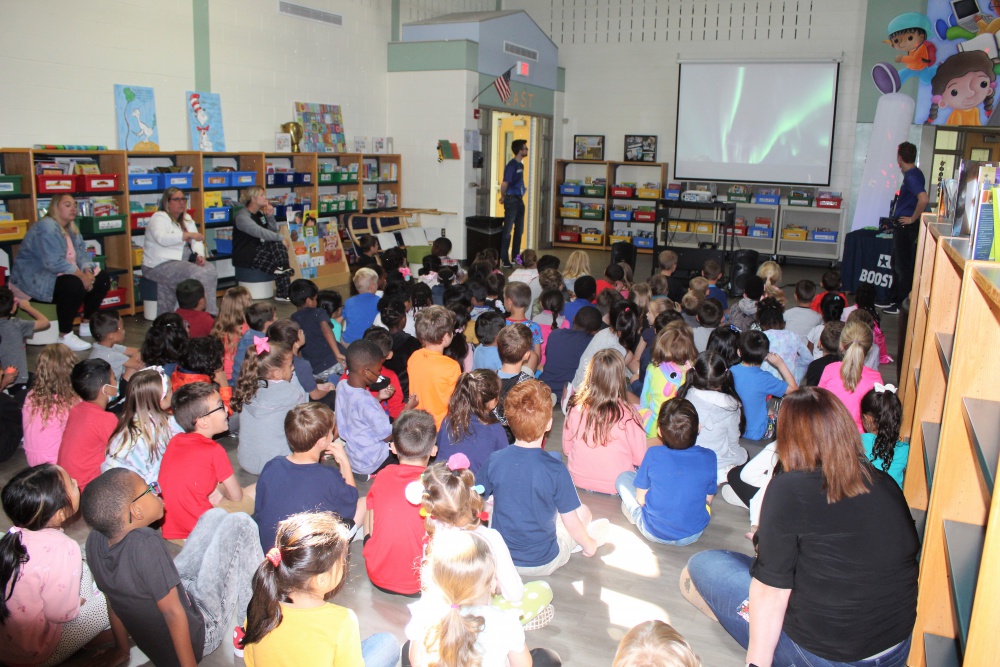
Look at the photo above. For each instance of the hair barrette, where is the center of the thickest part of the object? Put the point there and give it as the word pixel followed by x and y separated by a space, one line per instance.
pixel 479 488
pixel 14 530
pixel 261 344
pixel 414 492
pixel 274 556
pixel 405 271
pixel 424 513
pixel 164 380
pixel 484 516
pixel 458 461
pixel 881 388
pixel 456 606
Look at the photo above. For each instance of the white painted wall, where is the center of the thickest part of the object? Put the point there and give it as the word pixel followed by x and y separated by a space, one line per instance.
pixel 424 107
pixel 59 61
pixel 621 59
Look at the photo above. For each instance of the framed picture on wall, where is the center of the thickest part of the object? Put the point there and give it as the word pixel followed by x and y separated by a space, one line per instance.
pixel 640 148
pixel 588 147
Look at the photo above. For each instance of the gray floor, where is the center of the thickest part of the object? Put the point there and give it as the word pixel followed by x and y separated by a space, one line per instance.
pixel 596 600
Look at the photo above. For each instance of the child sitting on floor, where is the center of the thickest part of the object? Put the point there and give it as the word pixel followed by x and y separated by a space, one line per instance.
pixel 669 498
pixel 363 424
pixel 145 426
pixel 259 317
pixel 231 324
pixel 201 361
pixel 300 482
pixel 289 620
pixel 89 426
pixel 394 529
pixel 754 385
pixel 177 611
pixel 14 331
pixel 881 415
pixel 535 505
pixel 433 375
pixel 655 643
pixel 50 608
pixel 264 395
pixel 516 300
pixel 471 427
pixel 109 334
pixel 289 333
pixel 315 324
pixel 165 342
pixel 191 307
pixel 195 472
pixel 359 310
pixel 672 357
pixel 487 355
pixel 396 402
pixel 47 405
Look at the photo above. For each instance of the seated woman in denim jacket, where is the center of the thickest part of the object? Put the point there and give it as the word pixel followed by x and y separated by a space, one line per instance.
pixel 53 266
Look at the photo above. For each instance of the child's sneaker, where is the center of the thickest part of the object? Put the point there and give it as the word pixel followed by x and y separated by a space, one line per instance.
pixel 628 515
pixel 730 497
pixel 597 529
pixel 238 635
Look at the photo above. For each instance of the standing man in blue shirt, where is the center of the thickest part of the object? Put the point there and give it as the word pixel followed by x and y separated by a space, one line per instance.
pixel 910 204
pixel 512 198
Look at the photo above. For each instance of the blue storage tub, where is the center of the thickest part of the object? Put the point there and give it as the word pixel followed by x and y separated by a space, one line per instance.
pixel 182 181
pixel 217 214
pixel 280 178
pixel 760 232
pixel 621 216
pixel 672 195
pixel 145 182
pixel 216 180
pixel 569 189
pixel 243 179
pixel 825 237
pixel 770 200
pixel 642 241
pixel 302 178
pixel 223 246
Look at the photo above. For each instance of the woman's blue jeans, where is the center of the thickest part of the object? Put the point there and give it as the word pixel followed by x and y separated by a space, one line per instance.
pixel 723 580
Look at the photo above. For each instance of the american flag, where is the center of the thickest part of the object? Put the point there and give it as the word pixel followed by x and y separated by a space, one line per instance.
pixel 502 84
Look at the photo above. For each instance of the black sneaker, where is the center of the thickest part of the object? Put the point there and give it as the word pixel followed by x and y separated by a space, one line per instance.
pixel 891 310
pixel 882 306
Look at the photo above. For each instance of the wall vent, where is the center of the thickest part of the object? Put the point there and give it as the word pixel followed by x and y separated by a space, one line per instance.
pixel 310 14
pixel 520 51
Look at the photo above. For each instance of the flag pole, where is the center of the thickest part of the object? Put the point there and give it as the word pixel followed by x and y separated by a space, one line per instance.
pixel 511 68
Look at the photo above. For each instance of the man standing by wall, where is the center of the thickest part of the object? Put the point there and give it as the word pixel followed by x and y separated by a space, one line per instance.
pixel 512 197
pixel 910 204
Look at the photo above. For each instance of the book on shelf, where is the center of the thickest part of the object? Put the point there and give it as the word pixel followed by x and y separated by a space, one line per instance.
pixel 983 227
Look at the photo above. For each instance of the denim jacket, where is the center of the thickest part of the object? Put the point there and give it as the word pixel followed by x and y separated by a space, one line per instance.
pixel 42 257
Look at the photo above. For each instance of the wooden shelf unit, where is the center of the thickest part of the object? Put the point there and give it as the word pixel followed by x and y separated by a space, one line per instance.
pixel 956 612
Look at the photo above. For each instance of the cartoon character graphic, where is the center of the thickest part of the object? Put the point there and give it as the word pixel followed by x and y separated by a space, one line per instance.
pixel 908 33
pixel 962 83
pixel 203 126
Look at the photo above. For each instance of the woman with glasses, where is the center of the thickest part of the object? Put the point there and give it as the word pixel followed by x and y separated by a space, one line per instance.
pixel 52 266
pixel 256 241
pixel 174 250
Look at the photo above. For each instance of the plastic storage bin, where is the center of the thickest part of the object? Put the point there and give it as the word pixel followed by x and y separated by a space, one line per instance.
pixel 568 237
pixel 280 178
pixel 828 202
pixel 769 200
pixel 217 214
pixel 99 182
pixel 621 216
pixel 825 237
pixel 702 227
pixel 623 191
pixel 569 212
pixel 794 234
pixel 677 226
pixel 145 182
pixel 643 241
pixel 594 190
pixel 13 230
pixel 592 214
pixel 216 179
pixel 53 183
pixel 648 193
pixel 644 216
pixel 109 224
pixel 140 220
pixel 760 232
pixel 592 239
pixel 616 238
pixel 223 246
pixel 10 184
pixel 243 179
pixel 184 181
pixel 572 189
pixel 114 299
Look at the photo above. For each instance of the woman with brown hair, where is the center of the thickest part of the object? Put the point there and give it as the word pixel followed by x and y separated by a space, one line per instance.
pixel 834 581
pixel 174 250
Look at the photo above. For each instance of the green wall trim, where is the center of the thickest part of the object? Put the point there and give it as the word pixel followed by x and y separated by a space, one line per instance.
pixel 524 97
pixel 202 48
pixel 433 56
pixel 561 79
pixel 395 20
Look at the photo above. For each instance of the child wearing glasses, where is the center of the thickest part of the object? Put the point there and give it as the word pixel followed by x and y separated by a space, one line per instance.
pixel 364 426
pixel 177 611
pixel 195 472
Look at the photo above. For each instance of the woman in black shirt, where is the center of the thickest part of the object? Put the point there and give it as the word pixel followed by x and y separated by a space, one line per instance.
pixel 835 577
pixel 257 243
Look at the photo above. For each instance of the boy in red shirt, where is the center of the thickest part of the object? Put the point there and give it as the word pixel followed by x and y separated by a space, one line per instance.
pixel 394 529
pixel 195 473
pixel 89 426
pixel 831 283
pixel 191 307
pixel 397 402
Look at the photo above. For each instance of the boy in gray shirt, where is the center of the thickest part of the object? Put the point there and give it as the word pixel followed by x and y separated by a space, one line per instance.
pixel 13 333
pixel 109 334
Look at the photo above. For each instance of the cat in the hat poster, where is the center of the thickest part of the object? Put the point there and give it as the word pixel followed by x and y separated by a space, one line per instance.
pixel 205 119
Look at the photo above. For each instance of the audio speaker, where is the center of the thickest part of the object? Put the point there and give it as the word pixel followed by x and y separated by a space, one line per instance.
pixel 744 265
pixel 623 251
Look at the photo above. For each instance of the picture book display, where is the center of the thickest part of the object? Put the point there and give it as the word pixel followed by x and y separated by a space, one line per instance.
pixel 323 128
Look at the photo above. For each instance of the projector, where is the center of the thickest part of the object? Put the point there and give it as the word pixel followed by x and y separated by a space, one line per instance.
pixel 699 196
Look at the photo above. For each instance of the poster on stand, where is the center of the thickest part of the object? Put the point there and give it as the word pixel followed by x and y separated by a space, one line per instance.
pixel 205 121
pixel 135 114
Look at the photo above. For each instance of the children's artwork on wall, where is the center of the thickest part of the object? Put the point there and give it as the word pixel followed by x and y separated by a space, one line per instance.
pixel 953 52
pixel 205 120
pixel 135 114
pixel 323 127
pixel 640 148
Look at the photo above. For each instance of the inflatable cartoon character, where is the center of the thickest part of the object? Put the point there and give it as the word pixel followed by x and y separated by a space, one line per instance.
pixel 908 33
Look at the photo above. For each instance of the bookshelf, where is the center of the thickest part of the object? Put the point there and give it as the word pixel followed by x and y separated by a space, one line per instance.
pixel 380 182
pixel 956 615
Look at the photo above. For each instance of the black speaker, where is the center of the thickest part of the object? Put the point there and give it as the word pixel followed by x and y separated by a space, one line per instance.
pixel 744 265
pixel 623 251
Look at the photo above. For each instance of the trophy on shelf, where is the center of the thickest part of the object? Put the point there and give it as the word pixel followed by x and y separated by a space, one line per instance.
pixel 294 128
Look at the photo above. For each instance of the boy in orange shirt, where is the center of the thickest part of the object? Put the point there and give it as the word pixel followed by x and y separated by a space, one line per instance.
pixel 433 375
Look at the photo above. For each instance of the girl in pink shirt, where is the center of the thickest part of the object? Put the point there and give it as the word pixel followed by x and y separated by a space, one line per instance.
pixel 603 435
pixel 850 379
pixel 53 609
pixel 47 405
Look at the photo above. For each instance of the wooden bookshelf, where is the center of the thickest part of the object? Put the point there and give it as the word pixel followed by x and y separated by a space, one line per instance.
pixel 956 615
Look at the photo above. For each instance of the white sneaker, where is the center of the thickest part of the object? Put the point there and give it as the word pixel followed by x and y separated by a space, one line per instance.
pixel 85 330
pixel 74 343
pixel 597 529
pixel 730 497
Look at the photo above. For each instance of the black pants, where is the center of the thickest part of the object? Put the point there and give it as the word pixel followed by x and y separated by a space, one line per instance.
pixel 745 491
pixel 540 657
pixel 904 256
pixel 513 219
pixel 69 294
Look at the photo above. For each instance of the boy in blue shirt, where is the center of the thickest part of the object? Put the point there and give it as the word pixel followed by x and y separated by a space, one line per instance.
pixel 516 300
pixel 301 482
pixel 754 385
pixel 535 505
pixel 566 347
pixel 487 356
pixel 363 424
pixel 360 310
pixel 669 498
pixel 315 324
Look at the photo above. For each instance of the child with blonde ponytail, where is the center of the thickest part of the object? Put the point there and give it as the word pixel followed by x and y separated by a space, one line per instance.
pixel 453 624
pixel 850 379
pixel 264 394
pixel 289 620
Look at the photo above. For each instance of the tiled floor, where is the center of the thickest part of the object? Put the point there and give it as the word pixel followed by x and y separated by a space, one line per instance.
pixel 596 600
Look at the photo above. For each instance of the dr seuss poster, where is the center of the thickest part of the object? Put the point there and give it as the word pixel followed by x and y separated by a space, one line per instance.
pixel 205 121
pixel 952 51
pixel 135 113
